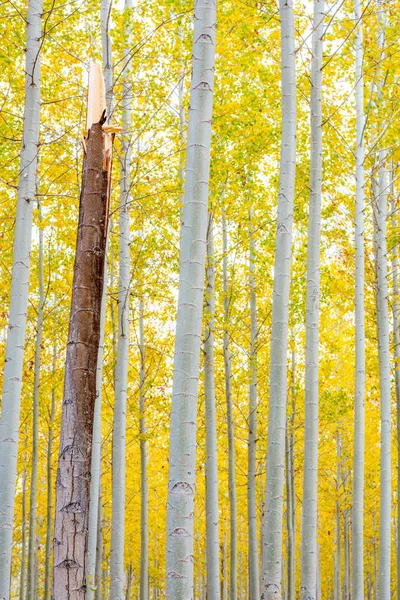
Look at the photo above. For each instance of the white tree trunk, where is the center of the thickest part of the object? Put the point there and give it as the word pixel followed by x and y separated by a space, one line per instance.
pixel 229 417
pixel 144 494
pixel 182 454
pixel 272 541
pixel 310 483
pixel 49 524
pixel 96 440
pixel 23 534
pixel 117 566
pixel 290 489
pixel 384 379
pixel 338 541
pixel 254 581
pixel 31 592
pixel 11 394
pixel 359 435
pixel 212 517
pixel 396 335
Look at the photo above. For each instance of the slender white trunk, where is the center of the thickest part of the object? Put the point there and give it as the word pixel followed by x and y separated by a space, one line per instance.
pixel 272 542
pixel 30 591
pixel 212 517
pixel 310 483
pixel 225 568
pixel 99 549
pixel 182 454
pixel 338 543
pixel 96 439
pixel 396 335
pixel 144 493
pixel 229 417
pixel 23 534
pixel 359 435
pixel 254 581
pixel 117 567
pixel 384 379
pixel 11 394
pixel 49 524
pixel 290 490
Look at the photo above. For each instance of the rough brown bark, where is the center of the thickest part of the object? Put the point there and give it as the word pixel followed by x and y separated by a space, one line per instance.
pixel 73 476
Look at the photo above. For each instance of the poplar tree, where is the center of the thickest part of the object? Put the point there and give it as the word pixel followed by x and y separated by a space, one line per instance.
pixel 14 354
pixel 309 546
pixel 272 540
pixel 182 453
pixel 359 435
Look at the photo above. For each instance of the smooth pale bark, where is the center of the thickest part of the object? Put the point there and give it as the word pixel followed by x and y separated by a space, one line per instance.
pixel 338 541
pixel 182 453
pixel 290 489
pixel 359 416
pixel 272 541
pixel 384 380
pixel 254 580
pixel 225 568
pixel 30 590
pixel 212 516
pixel 117 566
pixel 396 336
pixel 308 590
pixel 233 525
pixel 95 483
pixel 74 463
pixel 49 516
pixel 14 354
pixel 144 487
pixel 99 548
pixel 23 534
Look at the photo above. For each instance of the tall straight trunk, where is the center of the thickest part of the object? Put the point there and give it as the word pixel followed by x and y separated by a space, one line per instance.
pixel 225 568
pixel 384 380
pixel 182 453
pixel 396 336
pixel 30 591
pixel 359 435
pixel 95 482
pixel 229 418
pixel 272 542
pixel 290 489
pixel 74 463
pixel 14 354
pixel 212 516
pixel 310 483
pixel 117 567
pixel 49 515
pixel 254 581
pixel 338 542
pixel 99 549
pixel 144 492
pixel 23 535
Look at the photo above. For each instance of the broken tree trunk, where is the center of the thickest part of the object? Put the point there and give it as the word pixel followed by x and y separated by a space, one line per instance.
pixel 74 462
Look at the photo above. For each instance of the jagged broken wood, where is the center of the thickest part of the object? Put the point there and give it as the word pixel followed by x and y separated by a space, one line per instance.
pixel 73 476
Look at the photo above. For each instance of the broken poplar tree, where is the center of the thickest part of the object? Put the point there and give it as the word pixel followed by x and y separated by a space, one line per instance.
pixel 74 462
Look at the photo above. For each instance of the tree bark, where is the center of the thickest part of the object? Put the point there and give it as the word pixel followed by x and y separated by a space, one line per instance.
pixel 74 463
pixel 31 591
pixel 229 417
pixel 182 454
pixel 14 354
pixel 254 581
pixel 23 533
pixel 144 487
pixel 49 524
pixel 290 489
pixel 359 418
pixel 273 518
pixel 95 482
pixel 310 483
pixel 117 566
pixel 212 516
